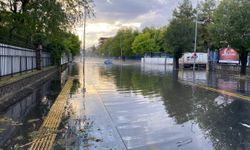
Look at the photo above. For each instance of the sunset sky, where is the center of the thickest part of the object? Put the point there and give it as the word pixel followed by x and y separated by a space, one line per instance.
pixel 112 15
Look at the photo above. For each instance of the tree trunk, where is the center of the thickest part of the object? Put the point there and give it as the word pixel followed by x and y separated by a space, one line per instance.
pixel 175 76
pixel 176 63
pixel 242 85
pixel 243 60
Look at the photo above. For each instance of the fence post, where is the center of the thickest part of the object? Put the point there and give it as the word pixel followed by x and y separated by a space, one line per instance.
pixel 38 57
pixel 1 51
pixel 20 64
pixel 26 63
pixel 32 67
pixel 11 65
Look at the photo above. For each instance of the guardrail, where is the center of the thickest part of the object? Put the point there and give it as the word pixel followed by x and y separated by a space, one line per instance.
pixel 16 59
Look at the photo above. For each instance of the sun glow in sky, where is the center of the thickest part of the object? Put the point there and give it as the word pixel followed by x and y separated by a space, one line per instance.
pixel 111 15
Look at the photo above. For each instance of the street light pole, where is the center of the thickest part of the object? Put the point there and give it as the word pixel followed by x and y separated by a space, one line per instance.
pixel 84 46
pixel 84 32
pixel 195 40
pixel 195 36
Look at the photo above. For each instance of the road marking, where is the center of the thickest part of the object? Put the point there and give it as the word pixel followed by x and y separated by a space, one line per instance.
pixel 223 92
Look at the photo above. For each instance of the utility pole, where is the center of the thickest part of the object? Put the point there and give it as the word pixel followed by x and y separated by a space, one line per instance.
pixel 195 40
pixel 195 37
pixel 84 47
pixel 84 33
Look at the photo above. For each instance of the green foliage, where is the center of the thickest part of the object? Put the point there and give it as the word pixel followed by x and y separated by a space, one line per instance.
pixel 126 37
pixel 179 35
pixel 72 44
pixel 231 27
pixel 144 42
pixel 205 13
pixel 232 23
pixel 56 48
pixel 32 23
pixel 120 44
pixel 39 39
pixel 129 42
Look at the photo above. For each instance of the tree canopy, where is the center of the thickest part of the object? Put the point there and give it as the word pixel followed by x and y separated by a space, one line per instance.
pixel 150 40
pixel 205 14
pixel 120 44
pixel 179 35
pixel 29 23
pixel 130 42
pixel 231 27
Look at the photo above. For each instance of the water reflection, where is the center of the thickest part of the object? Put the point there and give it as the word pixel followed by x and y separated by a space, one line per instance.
pixel 196 118
pixel 19 121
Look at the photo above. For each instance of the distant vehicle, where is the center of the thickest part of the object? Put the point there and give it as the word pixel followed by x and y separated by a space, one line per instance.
pixel 187 60
pixel 108 62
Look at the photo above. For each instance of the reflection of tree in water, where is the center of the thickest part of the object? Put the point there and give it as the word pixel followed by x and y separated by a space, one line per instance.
pixel 177 98
pixel 222 124
pixel 131 78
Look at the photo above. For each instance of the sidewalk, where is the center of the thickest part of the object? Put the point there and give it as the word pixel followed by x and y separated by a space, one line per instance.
pixel 16 77
pixel 103 129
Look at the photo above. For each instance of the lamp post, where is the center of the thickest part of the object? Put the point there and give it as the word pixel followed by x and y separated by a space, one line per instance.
pixel 84 32
pixel 84 46
pixel 195 40
pixel 195 36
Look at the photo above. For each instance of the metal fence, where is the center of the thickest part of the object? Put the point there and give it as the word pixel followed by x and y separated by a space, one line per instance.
pixel 16 59
pixel 158 55
pixel 46 59
pixel 66 59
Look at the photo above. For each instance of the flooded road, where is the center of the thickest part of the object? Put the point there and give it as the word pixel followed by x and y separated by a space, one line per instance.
pixel 152 107
pixel 132 106
pixel 19 123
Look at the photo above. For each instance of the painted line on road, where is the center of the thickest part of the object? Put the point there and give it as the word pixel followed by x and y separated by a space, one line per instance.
pixel 223 92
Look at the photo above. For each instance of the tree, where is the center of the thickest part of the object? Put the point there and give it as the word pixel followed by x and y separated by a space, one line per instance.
pixel 106 49
pixel 147 41
pixel 72 44
pixel 205 13
pixel 179 35
pixel 126 37
pixel 42 22
pixel 231 26
pixel 120 44
pixel 129 42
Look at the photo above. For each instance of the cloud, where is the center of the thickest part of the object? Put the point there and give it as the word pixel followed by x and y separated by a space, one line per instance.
pixel 111 15
pixel 103 29
pixel 108 1
pixel 126 10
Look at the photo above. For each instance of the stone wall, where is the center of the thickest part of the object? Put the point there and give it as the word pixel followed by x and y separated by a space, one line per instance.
pixel 14 91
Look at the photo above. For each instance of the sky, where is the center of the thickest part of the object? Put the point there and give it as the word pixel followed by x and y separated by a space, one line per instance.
pixel 111 15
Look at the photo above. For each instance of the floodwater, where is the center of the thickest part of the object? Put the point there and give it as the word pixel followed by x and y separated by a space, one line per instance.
pixel 19 123
pixel 140 107
pixel 152 107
